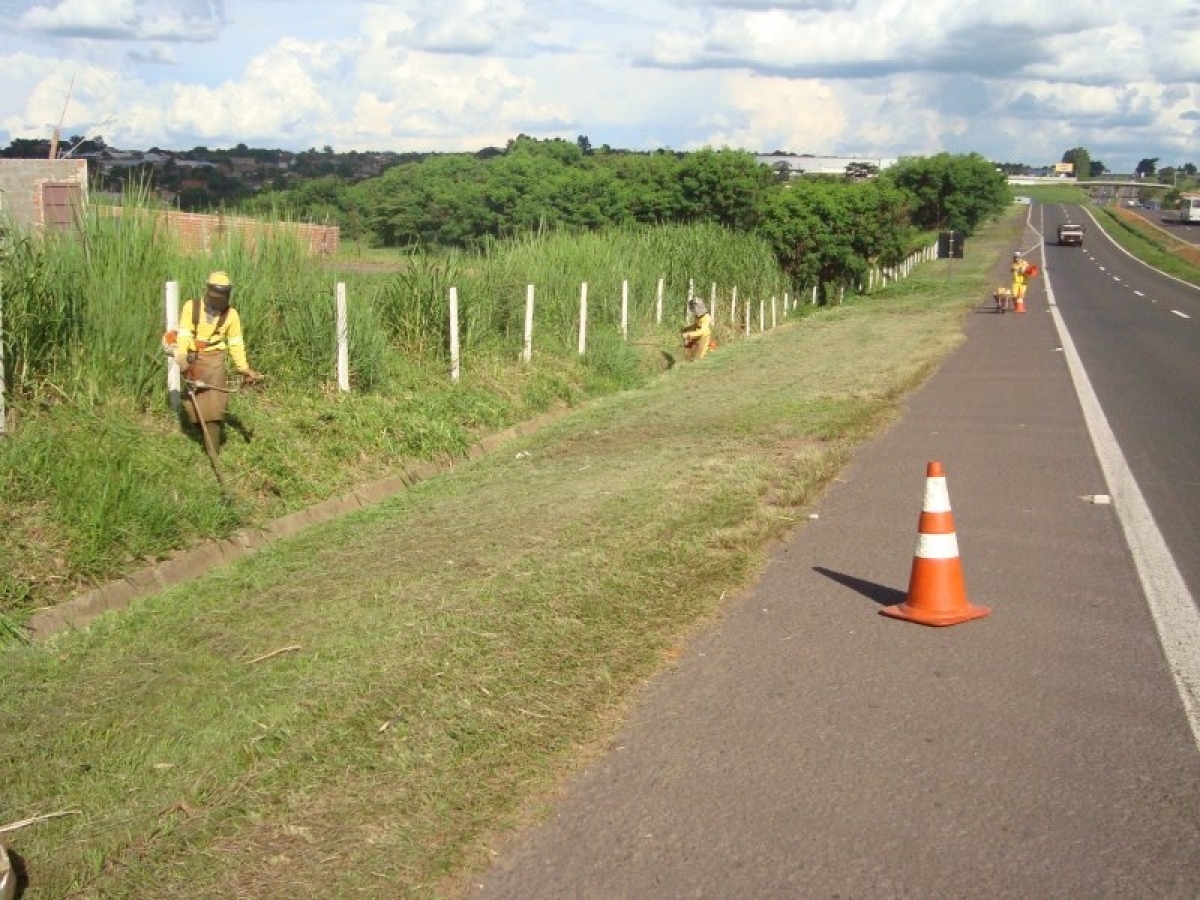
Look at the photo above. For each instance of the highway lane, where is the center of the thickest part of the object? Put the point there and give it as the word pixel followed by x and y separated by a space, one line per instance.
pixel 1138 334
pixel 1189 232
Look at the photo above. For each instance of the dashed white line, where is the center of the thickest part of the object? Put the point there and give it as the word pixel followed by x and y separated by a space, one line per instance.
pixel 1181 315
pixel 1139 293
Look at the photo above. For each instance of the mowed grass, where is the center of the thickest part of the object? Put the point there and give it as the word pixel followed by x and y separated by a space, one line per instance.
pixel 367 708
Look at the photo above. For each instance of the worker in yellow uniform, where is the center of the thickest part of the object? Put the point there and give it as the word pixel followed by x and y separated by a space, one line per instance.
pixel 1020 270
pixel 210 332
pixel 698 335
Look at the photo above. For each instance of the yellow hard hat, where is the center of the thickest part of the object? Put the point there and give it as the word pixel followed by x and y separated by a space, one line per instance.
pixel 220 282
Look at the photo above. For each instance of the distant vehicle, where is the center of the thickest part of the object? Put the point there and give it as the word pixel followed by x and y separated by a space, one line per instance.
pixel 1189 208
pixel 1070 235
pixel 1025 200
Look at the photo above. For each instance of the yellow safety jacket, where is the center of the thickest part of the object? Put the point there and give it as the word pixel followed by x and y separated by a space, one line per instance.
pixel 1019 268
pixel 702 327
pixel 201 332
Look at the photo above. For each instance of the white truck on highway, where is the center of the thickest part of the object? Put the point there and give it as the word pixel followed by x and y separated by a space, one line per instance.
pixel 1070 235
pixel 1189 208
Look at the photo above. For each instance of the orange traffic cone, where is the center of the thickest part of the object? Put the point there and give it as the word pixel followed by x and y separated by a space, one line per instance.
pixel 1018 304
pixel 936 592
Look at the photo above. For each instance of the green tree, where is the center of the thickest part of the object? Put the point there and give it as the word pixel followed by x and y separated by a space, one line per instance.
pixel 652 188
pixel 958 193
pixel 828 232
pixel 1081 162
pixel 27 148
pixel 1146 167
pixel 724 186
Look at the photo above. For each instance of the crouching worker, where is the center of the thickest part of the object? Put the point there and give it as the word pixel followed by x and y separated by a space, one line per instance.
pixel 210 331
pixel 697 337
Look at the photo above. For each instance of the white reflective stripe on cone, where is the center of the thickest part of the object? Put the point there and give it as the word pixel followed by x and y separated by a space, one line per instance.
pixel 937 546
pixel 937 498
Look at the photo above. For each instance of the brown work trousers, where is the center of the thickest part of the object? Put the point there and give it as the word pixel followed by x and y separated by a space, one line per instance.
pixel 212 399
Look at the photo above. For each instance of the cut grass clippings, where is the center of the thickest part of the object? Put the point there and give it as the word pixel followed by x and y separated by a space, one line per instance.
pixel 364 709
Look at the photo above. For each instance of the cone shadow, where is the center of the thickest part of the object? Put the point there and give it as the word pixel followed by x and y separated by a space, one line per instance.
pixel 878 593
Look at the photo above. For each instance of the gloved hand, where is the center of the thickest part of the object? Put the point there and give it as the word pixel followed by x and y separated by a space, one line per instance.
pixel 250 377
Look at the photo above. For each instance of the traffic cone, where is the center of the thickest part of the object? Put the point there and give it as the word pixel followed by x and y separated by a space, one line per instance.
pixel 1018 304
pixel 936 592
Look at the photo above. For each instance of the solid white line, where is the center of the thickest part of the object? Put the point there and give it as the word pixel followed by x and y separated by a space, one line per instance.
pixel 1175 615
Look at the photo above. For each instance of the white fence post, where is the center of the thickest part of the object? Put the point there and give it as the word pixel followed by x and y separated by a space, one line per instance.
pixel 343 341
pixel 814 299
pixel 774 321
pixel 658 303
pixel 455 369
pixel 625 309
pixel 583 318
pixel 171 302
pixel 527 352
pixel 733 306
pixel 747 305
pixel 762 314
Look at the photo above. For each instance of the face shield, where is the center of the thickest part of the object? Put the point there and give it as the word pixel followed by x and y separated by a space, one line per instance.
pixel 216 296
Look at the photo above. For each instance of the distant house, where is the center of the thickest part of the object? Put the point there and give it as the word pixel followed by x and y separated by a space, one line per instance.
pixel 243 165
pixel 36 194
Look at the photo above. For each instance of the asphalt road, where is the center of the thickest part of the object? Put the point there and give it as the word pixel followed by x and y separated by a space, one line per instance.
pixel 1186 231
pixel 808 747
pixel 1138 334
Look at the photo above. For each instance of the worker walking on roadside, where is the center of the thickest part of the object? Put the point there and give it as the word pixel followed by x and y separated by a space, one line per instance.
pixel 210 331
pixel 697 337
pixel 1020 272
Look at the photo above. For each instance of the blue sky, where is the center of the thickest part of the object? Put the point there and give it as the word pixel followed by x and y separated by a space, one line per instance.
pixel 1016 81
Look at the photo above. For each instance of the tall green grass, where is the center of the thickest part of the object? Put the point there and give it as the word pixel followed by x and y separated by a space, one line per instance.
pixel 97 475
pixel 492 286
pixel 84 312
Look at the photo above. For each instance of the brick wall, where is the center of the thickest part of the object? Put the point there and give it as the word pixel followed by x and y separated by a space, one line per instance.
pixel 201 232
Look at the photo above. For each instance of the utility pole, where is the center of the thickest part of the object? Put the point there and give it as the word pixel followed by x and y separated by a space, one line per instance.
pixel 58 128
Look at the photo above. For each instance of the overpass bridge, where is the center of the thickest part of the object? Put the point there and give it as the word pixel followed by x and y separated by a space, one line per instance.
pixel 1120 190
pixel 1116 184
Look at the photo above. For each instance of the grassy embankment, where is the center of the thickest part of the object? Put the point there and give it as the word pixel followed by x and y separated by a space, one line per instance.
pixel 98 477
pixel 1152 243
pixel 443 660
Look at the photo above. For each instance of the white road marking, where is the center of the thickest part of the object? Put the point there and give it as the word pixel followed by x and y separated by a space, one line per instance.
pixel 1139 293
pixel 1171 604
pixel 1181 315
